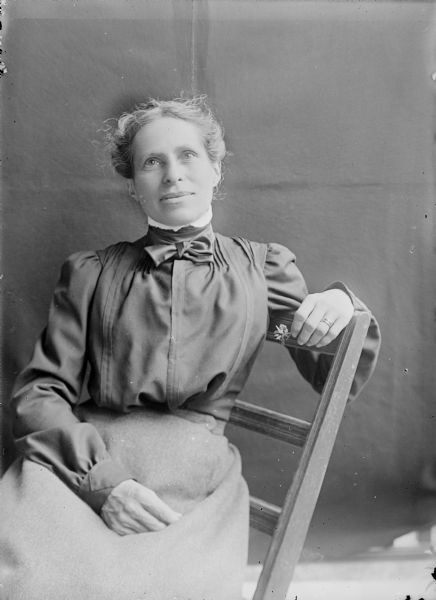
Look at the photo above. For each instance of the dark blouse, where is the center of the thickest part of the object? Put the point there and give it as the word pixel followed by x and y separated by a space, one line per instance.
pixel 173 318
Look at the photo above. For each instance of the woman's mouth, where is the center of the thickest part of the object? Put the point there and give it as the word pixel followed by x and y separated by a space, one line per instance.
pixel 175 195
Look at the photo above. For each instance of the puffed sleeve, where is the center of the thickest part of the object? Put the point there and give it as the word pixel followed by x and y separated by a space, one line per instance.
pixel 286 291
pixel 45 428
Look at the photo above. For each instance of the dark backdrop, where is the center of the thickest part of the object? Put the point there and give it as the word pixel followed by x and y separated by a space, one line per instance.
pixel 328 109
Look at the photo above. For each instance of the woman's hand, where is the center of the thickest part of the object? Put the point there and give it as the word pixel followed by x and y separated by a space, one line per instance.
pixel 134 508
pixel 321 317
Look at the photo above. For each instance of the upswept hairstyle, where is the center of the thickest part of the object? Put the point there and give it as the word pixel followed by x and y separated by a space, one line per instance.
pixel 195 110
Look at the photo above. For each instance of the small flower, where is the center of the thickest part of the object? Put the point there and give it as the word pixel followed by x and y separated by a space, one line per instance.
pixel 282 333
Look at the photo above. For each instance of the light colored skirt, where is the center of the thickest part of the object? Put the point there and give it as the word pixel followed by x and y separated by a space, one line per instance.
pixel 54 547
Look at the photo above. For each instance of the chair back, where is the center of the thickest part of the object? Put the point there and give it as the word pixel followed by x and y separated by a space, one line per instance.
pixel 288 525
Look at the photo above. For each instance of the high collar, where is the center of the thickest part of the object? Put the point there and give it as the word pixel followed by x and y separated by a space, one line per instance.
pixel 156 235
pixel 200 222
pixel 190 243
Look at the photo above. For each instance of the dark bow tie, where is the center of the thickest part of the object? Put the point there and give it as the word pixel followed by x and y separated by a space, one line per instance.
pixel 196 250
pixel 164 245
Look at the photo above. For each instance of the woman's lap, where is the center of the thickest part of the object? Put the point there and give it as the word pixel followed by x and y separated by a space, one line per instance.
pixel 53 546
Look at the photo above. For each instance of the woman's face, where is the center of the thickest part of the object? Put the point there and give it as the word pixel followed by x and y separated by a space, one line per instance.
pixel 173 175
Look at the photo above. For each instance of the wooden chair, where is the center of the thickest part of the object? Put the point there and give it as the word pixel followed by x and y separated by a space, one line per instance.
pixel 289 525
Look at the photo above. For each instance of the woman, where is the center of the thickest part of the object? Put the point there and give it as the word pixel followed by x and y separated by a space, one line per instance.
pixel 168 327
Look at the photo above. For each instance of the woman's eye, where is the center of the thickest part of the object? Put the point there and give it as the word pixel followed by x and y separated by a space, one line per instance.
pixel 189 154
pixel 152 162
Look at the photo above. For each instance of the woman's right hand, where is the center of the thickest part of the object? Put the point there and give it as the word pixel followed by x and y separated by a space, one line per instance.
pixel 134 508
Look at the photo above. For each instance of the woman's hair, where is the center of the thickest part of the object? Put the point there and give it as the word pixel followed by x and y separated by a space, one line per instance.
pixel 195 110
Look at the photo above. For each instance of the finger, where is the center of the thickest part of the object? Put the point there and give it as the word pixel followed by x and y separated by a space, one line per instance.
pixel 136 527
pixel 321 333
pixel 332 333
pixel 126 515
pixel 132 518
pixel 118 523
pixel 124 529
pixel 312 329
pixel 302 314
pixel 142 520
pixel 157 507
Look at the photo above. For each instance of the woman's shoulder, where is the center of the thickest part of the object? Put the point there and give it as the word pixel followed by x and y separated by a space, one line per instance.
pixel 96 258
pixel 271 254
pixel 115 252
pixel 279 255
pixel 80 264
pixel 88 264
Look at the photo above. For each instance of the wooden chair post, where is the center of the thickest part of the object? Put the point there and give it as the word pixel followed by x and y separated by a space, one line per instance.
pixel 290 524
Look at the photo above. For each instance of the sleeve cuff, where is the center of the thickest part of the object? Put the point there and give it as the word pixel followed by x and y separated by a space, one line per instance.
pixel 357 303
pixel 100 481
pixel 368 358
pixel 338 285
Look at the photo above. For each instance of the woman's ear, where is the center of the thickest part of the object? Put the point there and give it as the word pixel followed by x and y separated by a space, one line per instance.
pixel 217 170
pixel 131 188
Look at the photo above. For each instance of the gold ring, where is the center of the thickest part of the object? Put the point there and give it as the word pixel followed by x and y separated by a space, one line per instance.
pixel 327 322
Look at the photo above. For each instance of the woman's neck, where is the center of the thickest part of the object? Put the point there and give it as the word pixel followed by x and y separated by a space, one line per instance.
pixel 200 222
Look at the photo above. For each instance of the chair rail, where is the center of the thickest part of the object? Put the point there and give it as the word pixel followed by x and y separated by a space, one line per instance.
pixel 264 515
pixel 269 422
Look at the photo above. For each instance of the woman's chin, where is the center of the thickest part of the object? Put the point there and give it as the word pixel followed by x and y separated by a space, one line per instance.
pixel 177 218
pixel 173 222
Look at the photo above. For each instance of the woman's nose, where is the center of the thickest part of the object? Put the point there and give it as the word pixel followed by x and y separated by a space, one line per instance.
pixel 173 172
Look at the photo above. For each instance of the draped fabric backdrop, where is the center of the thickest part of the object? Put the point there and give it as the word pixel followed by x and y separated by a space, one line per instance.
pixel 329 115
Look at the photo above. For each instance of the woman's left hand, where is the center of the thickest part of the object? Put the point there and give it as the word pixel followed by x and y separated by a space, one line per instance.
pixel 321 317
